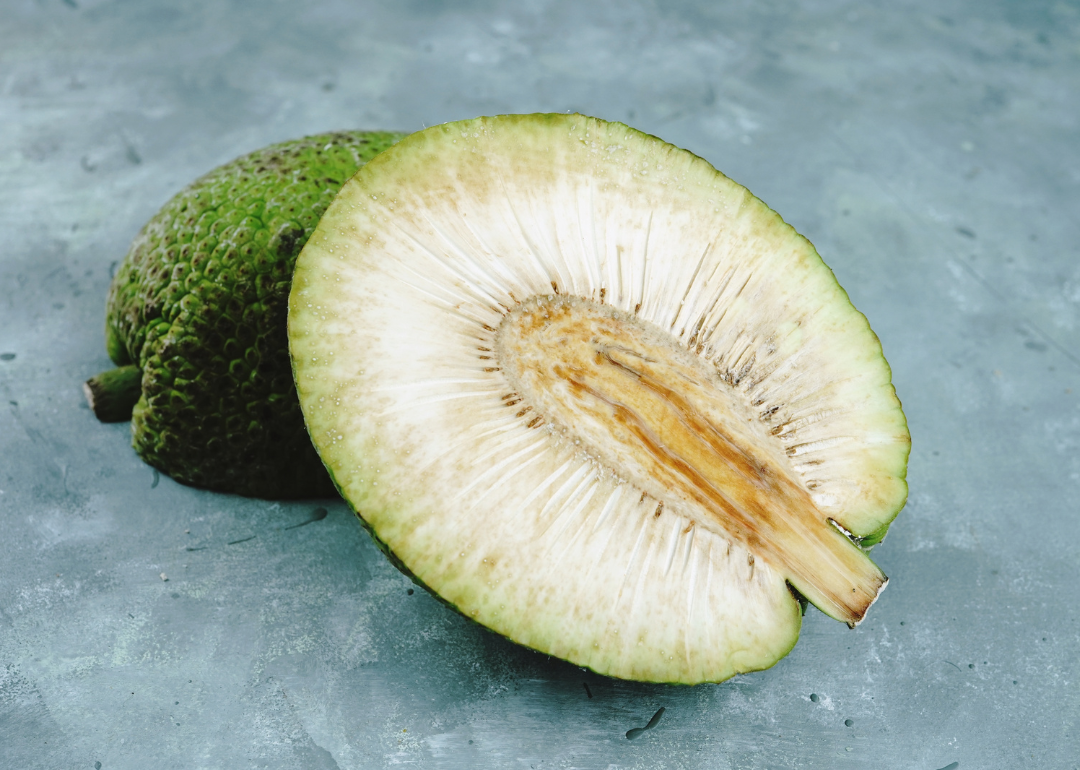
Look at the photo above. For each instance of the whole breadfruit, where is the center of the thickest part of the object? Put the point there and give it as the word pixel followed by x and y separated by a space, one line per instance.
pixel 196 321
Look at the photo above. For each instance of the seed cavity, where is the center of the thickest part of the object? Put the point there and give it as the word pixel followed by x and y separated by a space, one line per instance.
pixel 652 412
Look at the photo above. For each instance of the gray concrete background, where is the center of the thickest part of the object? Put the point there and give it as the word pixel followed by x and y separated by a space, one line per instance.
pixel 929 149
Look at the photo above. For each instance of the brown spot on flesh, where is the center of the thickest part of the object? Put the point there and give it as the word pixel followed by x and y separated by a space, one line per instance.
pixel 660 417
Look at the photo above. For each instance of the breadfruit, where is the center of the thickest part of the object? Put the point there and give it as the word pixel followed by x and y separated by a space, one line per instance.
pixel 195 321
pixel 597 396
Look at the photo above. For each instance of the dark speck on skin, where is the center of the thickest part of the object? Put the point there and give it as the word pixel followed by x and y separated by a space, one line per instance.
pixel 952 766
pixel 814 697
pixel 7 356
pixel 410 592
pixel 97 765
pixel 965 232
pixel 157 479
pixel 849 723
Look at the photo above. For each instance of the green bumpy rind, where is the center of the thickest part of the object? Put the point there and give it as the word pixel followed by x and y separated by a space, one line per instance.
pixel 199 304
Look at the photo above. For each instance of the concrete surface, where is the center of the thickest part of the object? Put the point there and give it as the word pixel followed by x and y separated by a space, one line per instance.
pixel 931 150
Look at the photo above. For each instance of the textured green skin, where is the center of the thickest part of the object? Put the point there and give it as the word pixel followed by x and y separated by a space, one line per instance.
pixel 200 304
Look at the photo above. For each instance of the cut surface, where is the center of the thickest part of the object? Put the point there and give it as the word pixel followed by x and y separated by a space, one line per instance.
pixel 596 396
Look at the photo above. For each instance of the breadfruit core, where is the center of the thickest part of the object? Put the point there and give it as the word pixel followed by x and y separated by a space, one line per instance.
pixel 196 321
pixel 597 396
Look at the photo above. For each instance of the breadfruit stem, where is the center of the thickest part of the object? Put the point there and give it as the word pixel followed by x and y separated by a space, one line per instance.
pixel 112 395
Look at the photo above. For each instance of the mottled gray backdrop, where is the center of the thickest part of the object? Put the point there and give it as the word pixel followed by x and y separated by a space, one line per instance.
pixel 931 150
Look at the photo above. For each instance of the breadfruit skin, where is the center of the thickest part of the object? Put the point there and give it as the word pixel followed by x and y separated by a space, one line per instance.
pixel 199 305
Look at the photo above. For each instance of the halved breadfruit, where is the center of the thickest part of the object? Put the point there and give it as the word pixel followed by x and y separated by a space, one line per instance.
pixel 597 396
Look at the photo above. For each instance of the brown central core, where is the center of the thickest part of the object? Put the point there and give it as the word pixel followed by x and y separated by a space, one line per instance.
pixel 661 418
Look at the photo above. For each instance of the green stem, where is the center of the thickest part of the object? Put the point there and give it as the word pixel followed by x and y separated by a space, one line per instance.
pixel 113 394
